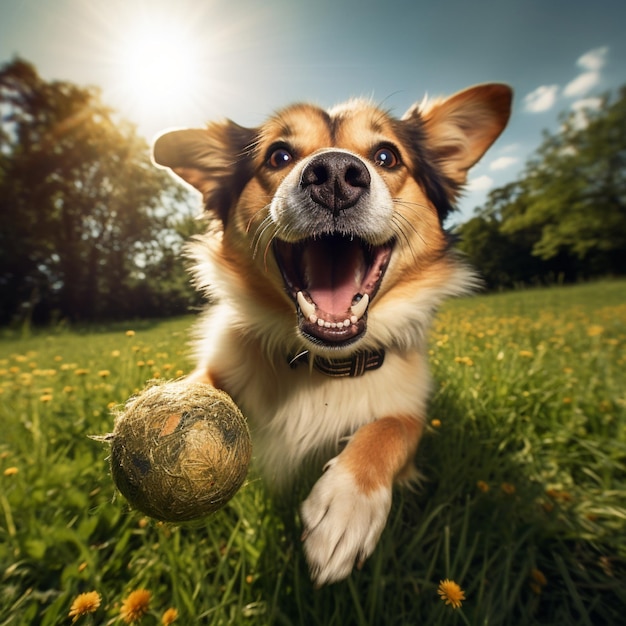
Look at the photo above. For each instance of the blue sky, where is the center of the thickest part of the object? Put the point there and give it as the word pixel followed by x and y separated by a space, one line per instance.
pixel 244 58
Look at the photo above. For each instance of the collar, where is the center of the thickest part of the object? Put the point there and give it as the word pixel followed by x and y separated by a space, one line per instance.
pixel 350 367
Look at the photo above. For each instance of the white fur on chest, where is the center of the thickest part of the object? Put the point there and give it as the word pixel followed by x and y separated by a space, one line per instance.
pixel 296 412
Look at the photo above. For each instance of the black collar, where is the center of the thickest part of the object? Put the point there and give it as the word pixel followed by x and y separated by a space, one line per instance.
pixel 349 367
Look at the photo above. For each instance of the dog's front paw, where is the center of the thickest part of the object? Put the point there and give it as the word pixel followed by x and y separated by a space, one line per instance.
pixel 342 523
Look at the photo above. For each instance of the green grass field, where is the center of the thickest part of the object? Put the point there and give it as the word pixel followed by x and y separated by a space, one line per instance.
pixel 523 501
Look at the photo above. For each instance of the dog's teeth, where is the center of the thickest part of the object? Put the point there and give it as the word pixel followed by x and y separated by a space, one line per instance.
pixel 358 310
pixel 308 309
pixel 320 322
pixel 347 323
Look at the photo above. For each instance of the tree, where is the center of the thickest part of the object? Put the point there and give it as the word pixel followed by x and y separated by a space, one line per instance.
pixel 84 215
pixel 575 189
pixel 566 216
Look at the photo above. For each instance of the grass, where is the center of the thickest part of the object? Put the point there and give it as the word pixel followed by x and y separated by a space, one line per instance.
pixel 523 502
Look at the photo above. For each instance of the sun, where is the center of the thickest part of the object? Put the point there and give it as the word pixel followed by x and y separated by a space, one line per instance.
pixel 157 68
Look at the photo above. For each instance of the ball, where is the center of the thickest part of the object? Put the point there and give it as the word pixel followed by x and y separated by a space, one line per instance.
pixel 180 450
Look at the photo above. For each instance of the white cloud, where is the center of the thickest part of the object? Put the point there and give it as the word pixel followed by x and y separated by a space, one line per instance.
pixel 480 183
pixel 541 99
pixel 580 106
pixel 593 60
pixel 581 84
pixel 501 163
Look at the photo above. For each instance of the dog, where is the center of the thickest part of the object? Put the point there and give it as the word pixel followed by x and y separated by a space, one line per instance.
pixel 325 260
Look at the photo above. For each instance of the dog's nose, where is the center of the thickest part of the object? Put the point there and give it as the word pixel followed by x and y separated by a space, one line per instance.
pixel 336 180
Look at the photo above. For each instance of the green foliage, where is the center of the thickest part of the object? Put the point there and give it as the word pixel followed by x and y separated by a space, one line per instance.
pixel 523 501
pixel 86 221
pixel 567 214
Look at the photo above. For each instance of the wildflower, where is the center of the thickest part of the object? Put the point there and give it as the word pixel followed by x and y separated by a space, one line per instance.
pixel 179 373
pixel 482 486
pixel 170 616
pixel 527 354
pixel 115 353
pixel 104 373
pixel 508 488
pixel 58 358
pixel 451 593
pixel 11 471
pixel 594 330
pixel 46 397
pixel 84 603
pixel 135 606
pixel 537 580
pixel 465 360
pixel 435 423
pixel 81 371
pixel 68 389
pixel 130 333
pixel 538 576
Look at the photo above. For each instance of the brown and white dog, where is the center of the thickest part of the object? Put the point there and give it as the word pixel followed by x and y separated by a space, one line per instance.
pixel 326 260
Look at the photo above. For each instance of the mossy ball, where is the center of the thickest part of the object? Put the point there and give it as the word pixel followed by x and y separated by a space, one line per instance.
pixel 180 450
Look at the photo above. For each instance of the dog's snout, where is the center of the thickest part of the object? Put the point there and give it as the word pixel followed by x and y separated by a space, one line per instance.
pixel 335 180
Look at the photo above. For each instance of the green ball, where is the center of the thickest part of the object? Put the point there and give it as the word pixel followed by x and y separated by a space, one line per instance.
pixel 180 450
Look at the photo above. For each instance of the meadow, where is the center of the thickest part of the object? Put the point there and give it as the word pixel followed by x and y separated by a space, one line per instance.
pixel 522 501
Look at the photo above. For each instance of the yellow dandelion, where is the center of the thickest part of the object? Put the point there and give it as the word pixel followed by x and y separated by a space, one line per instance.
pixel 135 606
pixel 58 358
pixel 11 471
pixel 104 373
pixel 508 488
pixel 115 353
pixel 140 363
pixel 130 333
pixel 482 486
pixel 538 576
pixel 81 371
pixel 595 330
pixel 527 354
pixel 169 617
pixel 435 423
pixel 451 593
pixel 45 398
pixel 84 603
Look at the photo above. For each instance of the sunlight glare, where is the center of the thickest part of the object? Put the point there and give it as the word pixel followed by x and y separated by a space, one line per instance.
pixel 158 66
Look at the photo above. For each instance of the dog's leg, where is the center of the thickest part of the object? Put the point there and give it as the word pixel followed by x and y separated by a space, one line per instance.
pixel 347 508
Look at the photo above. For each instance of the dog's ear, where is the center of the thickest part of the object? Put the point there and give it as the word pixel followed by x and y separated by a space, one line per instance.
pixel 460 129
pixel 215 160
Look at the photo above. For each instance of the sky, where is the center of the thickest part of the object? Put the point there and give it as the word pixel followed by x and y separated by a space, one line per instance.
pixel 181 63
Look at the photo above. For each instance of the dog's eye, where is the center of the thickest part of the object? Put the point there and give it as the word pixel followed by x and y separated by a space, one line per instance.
pixel 386 157
pixel 278 158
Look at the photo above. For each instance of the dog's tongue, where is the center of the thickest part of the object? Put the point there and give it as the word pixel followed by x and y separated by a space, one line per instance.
pixel 334 271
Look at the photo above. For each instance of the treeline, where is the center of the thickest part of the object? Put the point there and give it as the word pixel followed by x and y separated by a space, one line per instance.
pixel 565 218
pixel 89 228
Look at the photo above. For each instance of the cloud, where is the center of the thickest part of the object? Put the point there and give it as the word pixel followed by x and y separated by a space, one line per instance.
pixel 593 60
pixel 581 84
pixel 480 183
pixel 541 99
pixel 503 162
pixel 579 107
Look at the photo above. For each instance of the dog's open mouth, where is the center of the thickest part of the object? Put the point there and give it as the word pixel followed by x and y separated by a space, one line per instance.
pixel 332 279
